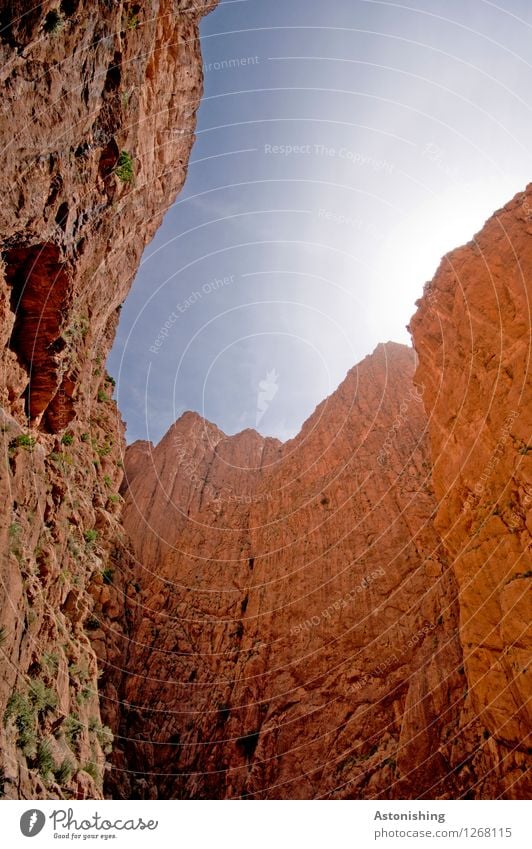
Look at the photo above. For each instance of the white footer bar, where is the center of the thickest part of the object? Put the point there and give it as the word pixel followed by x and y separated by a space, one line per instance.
pixel 267 825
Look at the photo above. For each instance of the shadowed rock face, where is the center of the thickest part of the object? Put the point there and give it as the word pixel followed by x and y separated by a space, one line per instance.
pixel 82 82
pixel 295 633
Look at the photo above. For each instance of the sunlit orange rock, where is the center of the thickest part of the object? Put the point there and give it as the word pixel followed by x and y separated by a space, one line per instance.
pixel 295 633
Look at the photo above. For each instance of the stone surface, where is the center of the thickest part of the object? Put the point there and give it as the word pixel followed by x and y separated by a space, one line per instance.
pixel 472 335
pixel 295 633
pixel 82 82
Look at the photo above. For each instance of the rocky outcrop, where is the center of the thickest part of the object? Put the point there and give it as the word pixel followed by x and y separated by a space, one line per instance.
pixel 295 633
pixel 472 335
pixel 98 115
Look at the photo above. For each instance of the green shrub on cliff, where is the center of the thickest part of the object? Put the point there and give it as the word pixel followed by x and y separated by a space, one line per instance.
pixel 63 772
pixel 23 440
pixel 73 728
pixel 44 758
pixel 42 698
pixel 21 712
pixel 90 536
pixel 124 167
pixel 53 22
pixel 92 770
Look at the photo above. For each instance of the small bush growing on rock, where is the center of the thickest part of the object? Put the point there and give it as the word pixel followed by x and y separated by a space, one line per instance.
pixel 79 672
pixel 90 536
pixel 67 439
pixel 133 20
pixel 124 167
pixel 103 733
pixel 43 698
pixel 72 728
pixel 102 395
pixel 63 772
pixel 20 710
pixel 105 449
pixel 23 440
pixel 91 768
pixel 105 739
pixel 44 758
pixel 94 723
pixel 15 547
pixel 53 22
pixel 51 660
pixel 107 575
pixel 62 458
pixel 83 696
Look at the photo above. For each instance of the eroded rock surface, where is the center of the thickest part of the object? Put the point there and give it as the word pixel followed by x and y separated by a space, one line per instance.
pixel 97 122
pixel 472 332
pixel 296 630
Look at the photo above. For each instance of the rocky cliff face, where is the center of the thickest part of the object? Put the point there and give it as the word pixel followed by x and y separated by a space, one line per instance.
pixel 98 109
pixel 472 334
pixel 295 632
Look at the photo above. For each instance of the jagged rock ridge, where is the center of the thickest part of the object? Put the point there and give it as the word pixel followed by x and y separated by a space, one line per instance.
pixel 296 628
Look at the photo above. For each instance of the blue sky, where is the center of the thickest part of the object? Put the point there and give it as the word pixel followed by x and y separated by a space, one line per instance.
pixel 342 149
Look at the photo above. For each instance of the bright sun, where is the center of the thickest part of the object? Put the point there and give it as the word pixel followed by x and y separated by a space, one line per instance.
pixel 412 252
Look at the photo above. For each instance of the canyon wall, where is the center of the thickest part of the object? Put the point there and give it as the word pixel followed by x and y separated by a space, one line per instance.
pixel 296 628
pixel 472 332
pixel 98 116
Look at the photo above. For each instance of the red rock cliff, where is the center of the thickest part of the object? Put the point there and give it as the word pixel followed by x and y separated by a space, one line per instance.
pixel 472 332
pixel 295 633
pixel 98 114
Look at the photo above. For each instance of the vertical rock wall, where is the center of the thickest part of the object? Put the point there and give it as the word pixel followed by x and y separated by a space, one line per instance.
pixel 472 333
pixel 295 632
pixel 98 115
